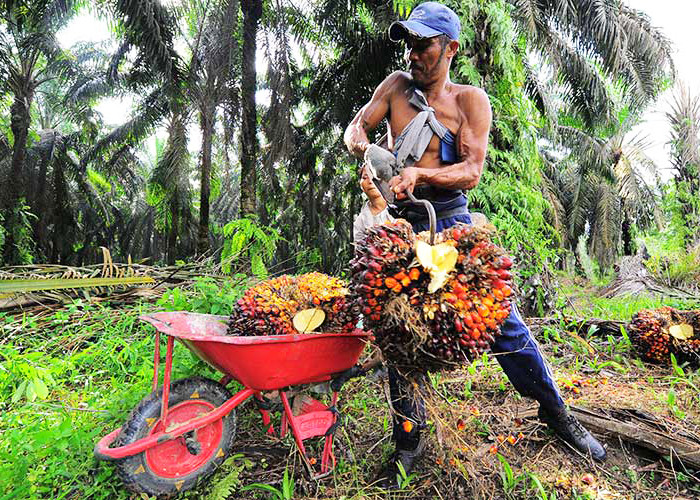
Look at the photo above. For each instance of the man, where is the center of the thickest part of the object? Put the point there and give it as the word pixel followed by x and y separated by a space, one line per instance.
pixel 438 131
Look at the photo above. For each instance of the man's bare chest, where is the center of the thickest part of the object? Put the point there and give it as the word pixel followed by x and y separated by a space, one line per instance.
pixel 401 112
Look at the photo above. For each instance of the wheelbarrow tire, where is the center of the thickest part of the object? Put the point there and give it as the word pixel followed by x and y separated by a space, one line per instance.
pixel 177 465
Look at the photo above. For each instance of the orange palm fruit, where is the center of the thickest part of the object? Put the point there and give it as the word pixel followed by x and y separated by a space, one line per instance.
pixel 407 426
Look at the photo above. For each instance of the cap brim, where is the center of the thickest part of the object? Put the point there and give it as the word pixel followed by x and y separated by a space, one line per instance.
pixel 399 30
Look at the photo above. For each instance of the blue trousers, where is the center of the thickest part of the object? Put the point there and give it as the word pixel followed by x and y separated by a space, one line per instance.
pixel 516 351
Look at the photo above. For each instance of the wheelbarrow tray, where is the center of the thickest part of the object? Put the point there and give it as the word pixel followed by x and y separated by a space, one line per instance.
pixel 262 363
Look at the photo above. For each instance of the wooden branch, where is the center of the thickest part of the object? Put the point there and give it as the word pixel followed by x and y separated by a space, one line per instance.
pixel 640 432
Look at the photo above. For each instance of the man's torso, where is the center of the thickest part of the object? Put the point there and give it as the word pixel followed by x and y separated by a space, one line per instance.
pixel 447 111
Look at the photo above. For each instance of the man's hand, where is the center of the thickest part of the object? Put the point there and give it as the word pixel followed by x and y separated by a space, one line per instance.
pixel 405 181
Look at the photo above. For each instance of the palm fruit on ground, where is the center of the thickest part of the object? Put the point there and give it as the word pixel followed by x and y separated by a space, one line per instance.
pixel 432 307
pixel 658 333
pixel 269 308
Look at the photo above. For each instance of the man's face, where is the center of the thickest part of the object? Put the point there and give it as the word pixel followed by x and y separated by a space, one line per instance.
pixel 426 59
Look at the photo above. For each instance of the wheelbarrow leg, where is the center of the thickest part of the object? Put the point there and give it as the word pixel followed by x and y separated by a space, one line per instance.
pixel 328 459
pixel 265 415
pixel 166 380
pixel 295 429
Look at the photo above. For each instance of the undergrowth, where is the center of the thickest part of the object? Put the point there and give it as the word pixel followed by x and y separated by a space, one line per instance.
pixel 70 378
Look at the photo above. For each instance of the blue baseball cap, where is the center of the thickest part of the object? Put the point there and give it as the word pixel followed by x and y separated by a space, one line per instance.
pixel 427 20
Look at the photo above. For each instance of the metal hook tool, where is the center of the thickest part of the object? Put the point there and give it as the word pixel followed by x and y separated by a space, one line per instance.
pixel 382 184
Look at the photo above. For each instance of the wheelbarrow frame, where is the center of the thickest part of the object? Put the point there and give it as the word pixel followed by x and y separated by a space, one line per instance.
pixel 103 451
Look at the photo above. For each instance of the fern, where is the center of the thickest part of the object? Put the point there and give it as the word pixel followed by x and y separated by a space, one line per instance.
pixel 226 486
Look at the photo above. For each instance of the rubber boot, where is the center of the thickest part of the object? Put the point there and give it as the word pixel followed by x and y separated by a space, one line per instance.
pixel 568 428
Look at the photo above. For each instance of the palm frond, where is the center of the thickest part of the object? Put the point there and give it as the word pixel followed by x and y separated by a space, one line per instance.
pixel 151 27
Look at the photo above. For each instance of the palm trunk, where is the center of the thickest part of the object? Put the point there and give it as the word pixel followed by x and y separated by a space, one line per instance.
pixel 20 121
pixel 172 234
pixel 207 125
pixel 252 10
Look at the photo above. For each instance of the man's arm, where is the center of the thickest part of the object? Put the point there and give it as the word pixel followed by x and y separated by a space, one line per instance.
pixel 472 141
pixel 370 116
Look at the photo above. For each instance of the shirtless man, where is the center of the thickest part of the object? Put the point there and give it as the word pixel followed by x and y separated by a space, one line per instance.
pixel 451 162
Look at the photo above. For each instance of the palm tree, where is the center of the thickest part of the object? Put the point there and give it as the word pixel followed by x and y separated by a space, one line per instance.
pixel 588 43
pixel 684 118
pixel 252 11
pixel 600 186
pixel 30 57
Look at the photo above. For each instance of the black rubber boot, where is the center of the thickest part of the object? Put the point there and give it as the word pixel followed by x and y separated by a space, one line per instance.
pixel 568 428
pixel 391 476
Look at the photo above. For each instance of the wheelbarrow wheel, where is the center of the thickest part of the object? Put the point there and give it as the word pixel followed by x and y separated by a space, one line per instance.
pixel 179 464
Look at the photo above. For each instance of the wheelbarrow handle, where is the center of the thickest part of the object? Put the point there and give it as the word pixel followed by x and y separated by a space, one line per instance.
pixel 431 213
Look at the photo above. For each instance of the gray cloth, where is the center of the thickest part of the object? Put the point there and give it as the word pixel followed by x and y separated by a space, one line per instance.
pixel 414 139
pixel 365 219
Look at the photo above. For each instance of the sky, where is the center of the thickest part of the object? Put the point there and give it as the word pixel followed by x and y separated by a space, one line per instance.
pixel 677 18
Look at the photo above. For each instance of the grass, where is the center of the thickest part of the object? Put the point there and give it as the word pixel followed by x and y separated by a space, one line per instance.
pixel 69 377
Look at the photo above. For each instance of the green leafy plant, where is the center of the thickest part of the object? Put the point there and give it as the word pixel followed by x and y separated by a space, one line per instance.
pixel 248 245
pixel 285 492
pixel 508 480
pixel 404 480
pixel 228 477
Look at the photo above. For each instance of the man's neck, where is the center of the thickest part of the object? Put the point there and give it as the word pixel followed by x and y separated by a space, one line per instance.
pixel 435 89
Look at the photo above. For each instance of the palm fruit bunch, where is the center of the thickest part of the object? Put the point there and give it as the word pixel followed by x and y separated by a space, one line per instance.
pixel 658 333
pixel 432 306
pixel 294 304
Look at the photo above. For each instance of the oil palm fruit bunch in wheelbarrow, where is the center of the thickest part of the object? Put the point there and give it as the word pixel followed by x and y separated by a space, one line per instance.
pixel 312 302
pixel 432 306
pixel 658 333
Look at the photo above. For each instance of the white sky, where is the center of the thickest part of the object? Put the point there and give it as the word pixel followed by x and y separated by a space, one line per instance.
pixel 677 18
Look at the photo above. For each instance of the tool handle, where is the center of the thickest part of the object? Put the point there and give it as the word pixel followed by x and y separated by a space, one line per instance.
pixel 431 213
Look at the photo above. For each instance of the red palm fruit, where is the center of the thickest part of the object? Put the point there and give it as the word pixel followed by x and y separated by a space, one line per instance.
pixel 458 325
pixel 506 262
pixel 504 275
pixel 374 266
pixel 450 297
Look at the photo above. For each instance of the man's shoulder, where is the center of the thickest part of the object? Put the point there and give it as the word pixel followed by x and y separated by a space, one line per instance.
pixel 469 93
pixel 398 79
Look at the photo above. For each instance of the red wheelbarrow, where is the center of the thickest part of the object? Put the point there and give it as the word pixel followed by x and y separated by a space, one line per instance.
pixel 180 433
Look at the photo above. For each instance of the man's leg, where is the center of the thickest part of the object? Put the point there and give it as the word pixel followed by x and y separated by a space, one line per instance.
pixel 408 418
pixel 520 357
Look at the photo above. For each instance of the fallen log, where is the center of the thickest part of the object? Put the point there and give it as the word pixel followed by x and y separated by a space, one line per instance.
pixel 641 429
pixel 601 327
